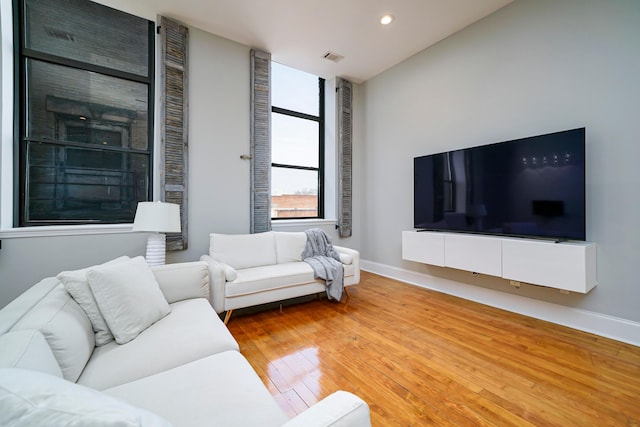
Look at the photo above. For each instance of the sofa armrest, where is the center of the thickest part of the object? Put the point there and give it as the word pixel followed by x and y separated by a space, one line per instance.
pixel 183 280
pixel 355 256
pixel 217 282
pixel 340 409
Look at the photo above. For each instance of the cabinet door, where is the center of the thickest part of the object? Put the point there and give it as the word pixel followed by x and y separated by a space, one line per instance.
pixel 424 247
pixel 473 253
pixel 568 266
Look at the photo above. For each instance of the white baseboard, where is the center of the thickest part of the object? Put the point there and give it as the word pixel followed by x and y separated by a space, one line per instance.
pixel 583 320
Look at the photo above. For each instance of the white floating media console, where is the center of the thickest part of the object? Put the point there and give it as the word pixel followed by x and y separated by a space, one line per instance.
pixel 569 266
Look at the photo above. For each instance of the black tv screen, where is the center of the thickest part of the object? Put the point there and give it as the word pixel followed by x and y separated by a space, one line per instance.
pixel 529 187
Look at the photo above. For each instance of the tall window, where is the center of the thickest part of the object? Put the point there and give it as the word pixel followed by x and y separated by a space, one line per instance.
pixel 84 99
pixel 297 144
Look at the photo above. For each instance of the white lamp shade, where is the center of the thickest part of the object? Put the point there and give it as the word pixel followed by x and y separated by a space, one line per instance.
pixel 159 217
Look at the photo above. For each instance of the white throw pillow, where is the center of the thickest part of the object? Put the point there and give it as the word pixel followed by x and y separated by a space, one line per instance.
pixel 128 297
pixel 345 258
pixel 28 349
pixel 30 398
pixel 230 273
pixel 66 328
pixel 75 282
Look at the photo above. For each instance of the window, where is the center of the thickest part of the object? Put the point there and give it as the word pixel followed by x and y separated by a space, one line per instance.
pixel 84 99
pixel 297 144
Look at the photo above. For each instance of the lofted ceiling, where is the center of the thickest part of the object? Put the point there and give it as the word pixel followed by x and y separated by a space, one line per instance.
pixel 298 33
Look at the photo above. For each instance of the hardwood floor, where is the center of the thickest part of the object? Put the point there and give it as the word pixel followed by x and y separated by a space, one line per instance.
pixel 418 357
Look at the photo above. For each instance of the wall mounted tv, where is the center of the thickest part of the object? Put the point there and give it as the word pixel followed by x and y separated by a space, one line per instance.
pixel 529 187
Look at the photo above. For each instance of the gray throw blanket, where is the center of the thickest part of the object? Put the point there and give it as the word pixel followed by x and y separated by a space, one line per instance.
pixel 325 261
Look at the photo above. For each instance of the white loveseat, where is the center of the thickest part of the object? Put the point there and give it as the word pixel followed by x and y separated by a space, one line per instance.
pixel 252 269
pixel 183 370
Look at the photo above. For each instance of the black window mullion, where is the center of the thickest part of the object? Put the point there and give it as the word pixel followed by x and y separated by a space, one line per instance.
pixel 87 146
pixel 321 149
pixel 80 65
pixel 295 114
pixel 19 121
pixel 286 166
pixel 151 109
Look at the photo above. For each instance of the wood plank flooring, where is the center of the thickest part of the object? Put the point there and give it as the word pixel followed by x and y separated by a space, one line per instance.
pixel 418 357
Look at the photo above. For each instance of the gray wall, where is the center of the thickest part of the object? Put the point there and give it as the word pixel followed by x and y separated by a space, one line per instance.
pixel 535 66
pixel 25 261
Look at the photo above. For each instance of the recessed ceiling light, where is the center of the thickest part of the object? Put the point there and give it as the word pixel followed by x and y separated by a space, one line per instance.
pixel 386 19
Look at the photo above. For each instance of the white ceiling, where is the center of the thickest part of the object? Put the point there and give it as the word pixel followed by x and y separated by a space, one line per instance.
pixel 299 32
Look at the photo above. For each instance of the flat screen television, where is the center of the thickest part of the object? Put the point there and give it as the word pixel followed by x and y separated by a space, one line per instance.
pixel 529 187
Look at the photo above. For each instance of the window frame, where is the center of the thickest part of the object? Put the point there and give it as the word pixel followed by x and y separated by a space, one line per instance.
pixel 320 119
pixel 22 55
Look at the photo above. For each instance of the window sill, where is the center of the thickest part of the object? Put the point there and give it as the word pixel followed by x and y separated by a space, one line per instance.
pixel 64 230
pixel 285 224
pixel 83 230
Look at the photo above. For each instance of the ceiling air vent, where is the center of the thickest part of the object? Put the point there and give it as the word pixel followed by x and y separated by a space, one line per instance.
pixel 333 56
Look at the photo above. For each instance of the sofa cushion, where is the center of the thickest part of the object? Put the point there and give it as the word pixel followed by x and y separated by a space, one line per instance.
pixel 16 309
pixel 191 331
pixel 28 349
pixel 261 279
pixel 289 245
pixel 184 280
pixel 243 250
pixel 128 296
pixel 339 409
pixel 269 277
pixel 66 328
pixel 75 282
pixel 220 390
pixel 30 398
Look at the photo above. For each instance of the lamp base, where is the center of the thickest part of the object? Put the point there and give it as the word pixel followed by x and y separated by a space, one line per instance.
pixel 156 249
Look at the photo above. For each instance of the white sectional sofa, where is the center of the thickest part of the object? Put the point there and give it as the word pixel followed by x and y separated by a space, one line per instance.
pixel 252 269
pixel 182 369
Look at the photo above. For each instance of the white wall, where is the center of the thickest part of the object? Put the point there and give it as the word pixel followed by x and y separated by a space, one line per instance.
pixel 535 66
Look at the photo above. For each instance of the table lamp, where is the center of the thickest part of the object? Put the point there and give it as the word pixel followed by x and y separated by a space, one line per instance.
pixel 157 218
